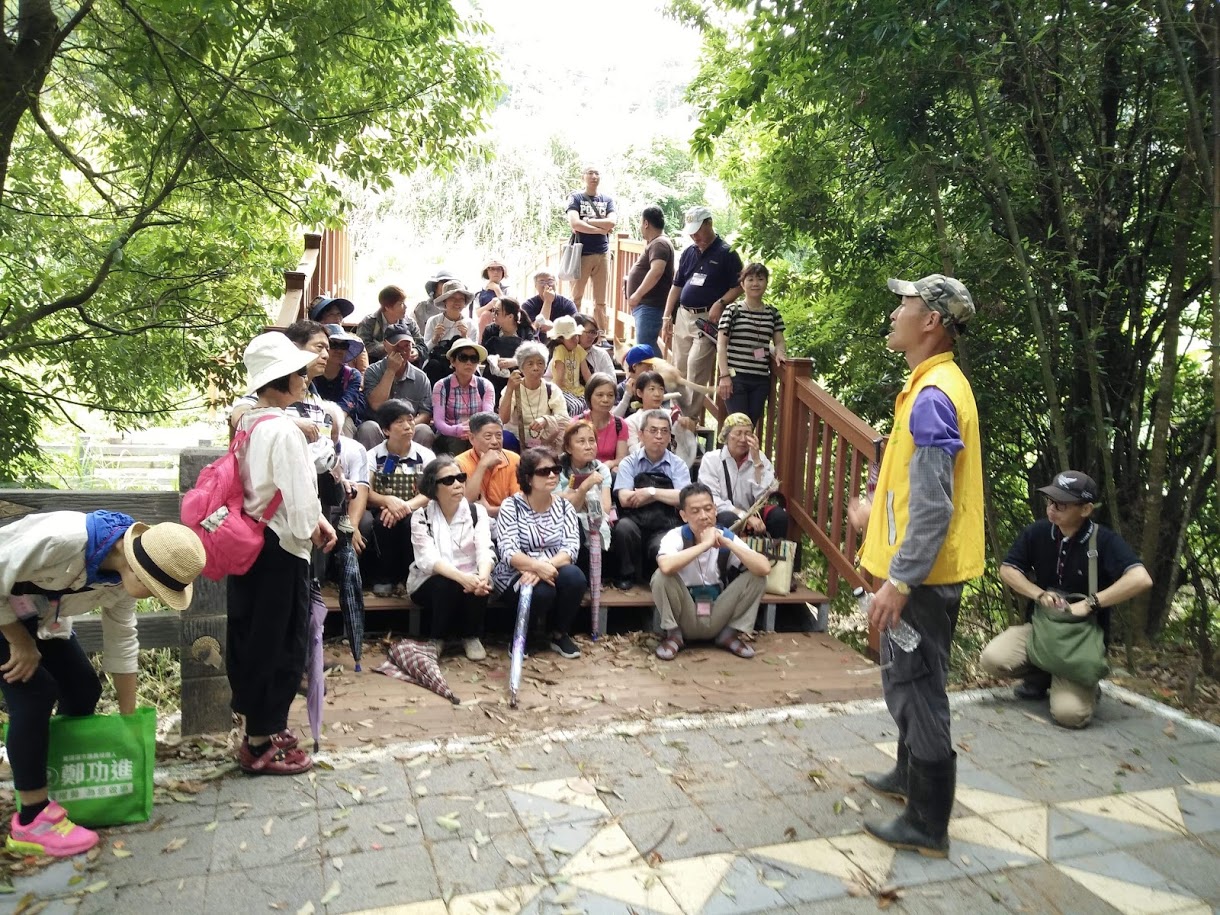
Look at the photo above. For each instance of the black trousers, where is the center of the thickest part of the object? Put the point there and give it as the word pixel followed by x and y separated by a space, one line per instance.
pixel 559 603
pixel 66 677
pixel 635 549
pixel 914 683
pixel 452 613
pixel 267 640
pixel 389 553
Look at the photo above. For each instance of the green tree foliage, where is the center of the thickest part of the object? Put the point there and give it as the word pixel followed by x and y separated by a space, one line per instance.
pixel 1041 151
pixel 156 157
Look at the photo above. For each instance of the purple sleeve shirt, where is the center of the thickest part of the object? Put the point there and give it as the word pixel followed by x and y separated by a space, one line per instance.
pixel 933 422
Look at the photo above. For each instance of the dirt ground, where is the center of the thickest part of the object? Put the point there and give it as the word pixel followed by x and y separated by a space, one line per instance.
pixel 617 678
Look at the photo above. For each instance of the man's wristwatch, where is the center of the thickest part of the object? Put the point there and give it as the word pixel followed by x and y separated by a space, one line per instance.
pixel 901 587
pixel 652 491
pixel 1094 602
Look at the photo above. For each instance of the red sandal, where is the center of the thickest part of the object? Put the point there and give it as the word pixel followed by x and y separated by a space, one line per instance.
pixel 274 760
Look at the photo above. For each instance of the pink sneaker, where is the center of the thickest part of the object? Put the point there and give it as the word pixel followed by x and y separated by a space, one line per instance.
pixel 51 833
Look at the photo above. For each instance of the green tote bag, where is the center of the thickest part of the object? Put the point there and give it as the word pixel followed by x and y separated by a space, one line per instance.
pixel 100 767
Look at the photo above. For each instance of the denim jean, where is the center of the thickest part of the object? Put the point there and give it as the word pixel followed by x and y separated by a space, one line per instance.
pixel 648 324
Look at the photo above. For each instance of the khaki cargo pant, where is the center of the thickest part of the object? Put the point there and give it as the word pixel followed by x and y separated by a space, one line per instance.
pixel 1072 704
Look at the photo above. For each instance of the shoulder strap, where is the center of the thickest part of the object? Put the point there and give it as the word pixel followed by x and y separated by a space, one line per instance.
pixel 618 426
pixel 728 484
pixel 1092 554
pixel 276 500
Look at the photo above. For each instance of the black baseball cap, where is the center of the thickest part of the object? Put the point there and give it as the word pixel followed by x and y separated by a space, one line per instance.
pixel 1073 486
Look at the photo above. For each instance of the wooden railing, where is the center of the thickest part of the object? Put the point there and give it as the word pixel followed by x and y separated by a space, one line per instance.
pixel 325 267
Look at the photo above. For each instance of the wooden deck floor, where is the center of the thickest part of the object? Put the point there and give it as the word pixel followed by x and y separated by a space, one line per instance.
pixel 617 678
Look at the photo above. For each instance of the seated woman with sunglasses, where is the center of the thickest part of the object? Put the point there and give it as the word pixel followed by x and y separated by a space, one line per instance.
pixel 459 396
pixel 451 574
pixel 539 539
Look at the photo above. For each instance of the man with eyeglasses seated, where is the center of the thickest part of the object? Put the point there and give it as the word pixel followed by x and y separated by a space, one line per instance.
pixel 708 583
pixel 491 472
pixel 1049 564
pixel 646 489
pixel 459 396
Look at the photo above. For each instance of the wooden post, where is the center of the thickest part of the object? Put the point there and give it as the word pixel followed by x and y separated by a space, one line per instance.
pixel 205 684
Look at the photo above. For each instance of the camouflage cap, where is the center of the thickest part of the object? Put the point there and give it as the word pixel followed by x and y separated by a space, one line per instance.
pixel 942 294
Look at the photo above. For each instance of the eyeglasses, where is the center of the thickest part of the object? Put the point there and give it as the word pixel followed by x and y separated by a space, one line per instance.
pixel 449 481
pixel 551 471
pixel 466 357
pixel 656 430
pixel 1059 506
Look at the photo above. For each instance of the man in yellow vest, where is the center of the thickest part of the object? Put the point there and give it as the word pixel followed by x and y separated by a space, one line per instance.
pixel 924 539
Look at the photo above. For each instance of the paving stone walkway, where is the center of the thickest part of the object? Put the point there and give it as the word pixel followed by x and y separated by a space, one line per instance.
pixel 753 812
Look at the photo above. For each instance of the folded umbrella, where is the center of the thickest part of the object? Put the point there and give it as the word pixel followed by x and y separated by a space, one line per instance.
pixel 517 658
pixel 317 677
pixel 595 574
pixel 415 662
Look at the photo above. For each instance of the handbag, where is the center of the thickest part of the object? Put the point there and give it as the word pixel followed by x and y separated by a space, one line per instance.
pixel 400 484
pixel 1066 645
pixel 569 259
pixel 100 767
pixel 782 556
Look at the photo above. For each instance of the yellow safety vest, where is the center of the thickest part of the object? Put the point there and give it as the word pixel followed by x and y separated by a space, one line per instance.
pixel 961 555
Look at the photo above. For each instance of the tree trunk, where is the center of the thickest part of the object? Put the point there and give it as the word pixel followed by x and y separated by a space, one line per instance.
pixel 1054 407
pixel 1137 612
pixel 24 65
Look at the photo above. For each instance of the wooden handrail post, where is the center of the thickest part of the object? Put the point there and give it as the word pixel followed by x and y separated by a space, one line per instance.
pixel 786 457
pixel 205 686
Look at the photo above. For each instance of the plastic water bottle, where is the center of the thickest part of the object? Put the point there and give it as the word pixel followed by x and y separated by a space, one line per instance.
pixel 902 633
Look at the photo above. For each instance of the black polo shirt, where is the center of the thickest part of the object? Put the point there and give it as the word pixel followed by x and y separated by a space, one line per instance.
pixel 705 276
pixel 1053 563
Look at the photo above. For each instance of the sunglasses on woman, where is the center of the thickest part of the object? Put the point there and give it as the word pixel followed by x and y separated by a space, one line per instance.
pixel 551 471
pixel 449 481
pixel 466 357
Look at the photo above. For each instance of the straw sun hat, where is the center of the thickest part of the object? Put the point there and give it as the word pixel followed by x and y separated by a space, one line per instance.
pixel 167 558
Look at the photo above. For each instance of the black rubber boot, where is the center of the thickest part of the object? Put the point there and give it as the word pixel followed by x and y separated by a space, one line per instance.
pixel 924 825
pixel 1034 686
pixel 894 782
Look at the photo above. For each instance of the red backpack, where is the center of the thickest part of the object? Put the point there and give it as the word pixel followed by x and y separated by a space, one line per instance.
pixel 213 510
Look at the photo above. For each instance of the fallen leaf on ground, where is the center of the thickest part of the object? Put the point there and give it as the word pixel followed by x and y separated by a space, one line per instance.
pixel 332 893
pixel 173 846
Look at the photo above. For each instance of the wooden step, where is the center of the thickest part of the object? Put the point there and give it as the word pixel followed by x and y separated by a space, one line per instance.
pixel 638 596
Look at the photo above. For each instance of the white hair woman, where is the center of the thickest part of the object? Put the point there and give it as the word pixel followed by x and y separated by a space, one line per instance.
pixel 533 409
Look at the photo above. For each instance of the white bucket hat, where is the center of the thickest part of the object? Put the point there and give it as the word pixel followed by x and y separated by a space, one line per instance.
pixel 272 355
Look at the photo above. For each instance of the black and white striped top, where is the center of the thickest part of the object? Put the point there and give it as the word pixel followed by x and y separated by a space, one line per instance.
pixel 540 535
pixel 750 334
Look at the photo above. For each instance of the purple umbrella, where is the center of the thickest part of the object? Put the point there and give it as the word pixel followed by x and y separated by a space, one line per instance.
pixel 317 678
pixel 526 597
pixel 595 574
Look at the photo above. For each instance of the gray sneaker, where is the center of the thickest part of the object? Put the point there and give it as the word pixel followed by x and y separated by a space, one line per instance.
pixel 474 649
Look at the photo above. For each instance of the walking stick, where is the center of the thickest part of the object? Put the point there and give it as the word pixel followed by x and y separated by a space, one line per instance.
pixel 754 509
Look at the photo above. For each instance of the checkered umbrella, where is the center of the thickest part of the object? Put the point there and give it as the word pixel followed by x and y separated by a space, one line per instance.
pixel 351 595
pixel 415 662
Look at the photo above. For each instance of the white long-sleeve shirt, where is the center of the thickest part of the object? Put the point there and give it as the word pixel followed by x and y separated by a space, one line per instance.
pixel 48 550
pixel 470 541
pixel 743 487
pixel 277 457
